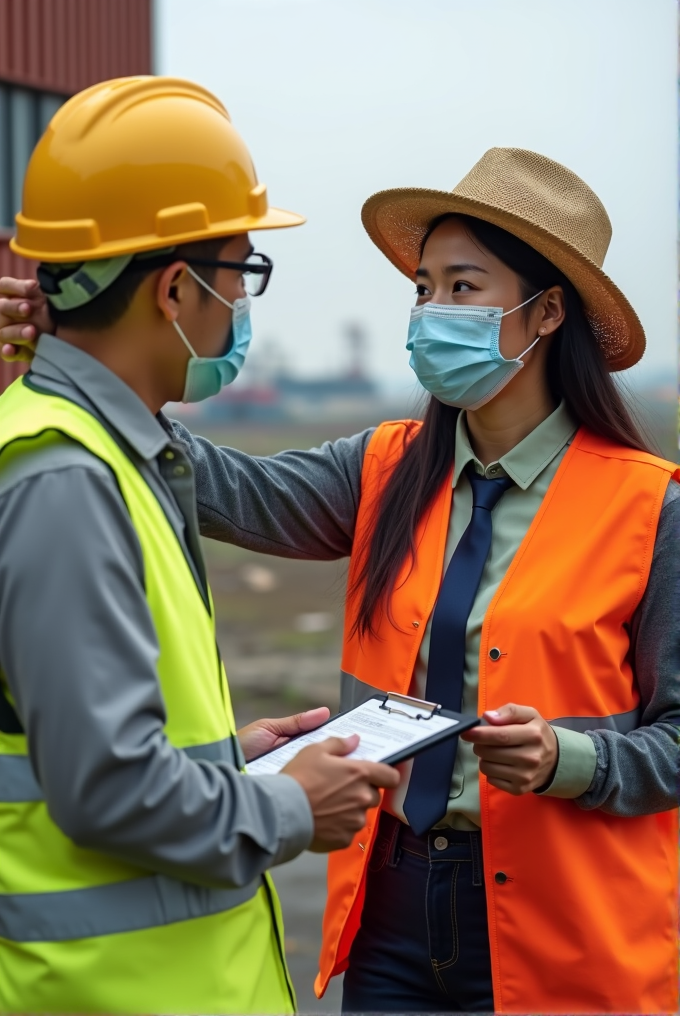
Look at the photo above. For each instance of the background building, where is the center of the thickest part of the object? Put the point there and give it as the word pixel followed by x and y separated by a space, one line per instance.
pixel 49 50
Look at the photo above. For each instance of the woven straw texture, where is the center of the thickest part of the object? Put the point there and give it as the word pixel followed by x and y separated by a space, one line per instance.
pixel 541 202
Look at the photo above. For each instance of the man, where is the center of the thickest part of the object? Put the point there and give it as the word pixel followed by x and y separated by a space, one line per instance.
pixel 134 853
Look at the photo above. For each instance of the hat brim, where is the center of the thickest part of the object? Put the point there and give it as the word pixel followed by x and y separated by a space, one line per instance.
pixel 273 218
pixel 397 220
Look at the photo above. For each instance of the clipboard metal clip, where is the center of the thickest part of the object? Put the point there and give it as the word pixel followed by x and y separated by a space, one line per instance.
pixel 413 708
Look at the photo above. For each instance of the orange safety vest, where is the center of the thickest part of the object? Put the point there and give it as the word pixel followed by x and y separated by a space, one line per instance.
pixel 586 921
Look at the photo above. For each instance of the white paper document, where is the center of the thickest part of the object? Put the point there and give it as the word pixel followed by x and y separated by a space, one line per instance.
pixel 382 734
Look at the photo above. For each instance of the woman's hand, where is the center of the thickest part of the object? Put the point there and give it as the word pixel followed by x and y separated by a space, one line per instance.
pixel 24 316
pixel 518 751
pixel 265 735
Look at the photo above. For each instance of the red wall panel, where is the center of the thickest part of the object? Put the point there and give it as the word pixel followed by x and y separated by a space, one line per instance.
pixel 63 46
pixel 66 45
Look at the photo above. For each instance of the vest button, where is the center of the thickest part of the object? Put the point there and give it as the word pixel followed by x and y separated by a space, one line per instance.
pixel 495 654
pixel 441 843
pixel 500 877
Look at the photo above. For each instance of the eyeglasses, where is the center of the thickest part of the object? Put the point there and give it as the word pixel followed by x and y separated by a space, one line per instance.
pixel 255 271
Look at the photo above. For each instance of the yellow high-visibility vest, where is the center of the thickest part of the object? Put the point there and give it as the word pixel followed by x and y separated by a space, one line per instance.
pixel 81 932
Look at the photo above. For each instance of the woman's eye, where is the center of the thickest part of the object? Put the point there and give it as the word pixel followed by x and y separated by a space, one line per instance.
pixel 422 290
pixel 462 287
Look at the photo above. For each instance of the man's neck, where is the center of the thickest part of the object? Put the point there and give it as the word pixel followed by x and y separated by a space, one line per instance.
pixel 118 352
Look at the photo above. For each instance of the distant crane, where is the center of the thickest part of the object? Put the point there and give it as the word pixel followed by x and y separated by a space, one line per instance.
pixel 357 341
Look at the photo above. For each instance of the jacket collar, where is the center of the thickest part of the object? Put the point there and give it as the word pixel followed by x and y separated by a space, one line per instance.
pixel 69 367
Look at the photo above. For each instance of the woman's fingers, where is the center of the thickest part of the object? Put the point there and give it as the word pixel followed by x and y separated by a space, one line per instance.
pixel 18 333
pixel 26 288
pixel 519 754
pixel 17 354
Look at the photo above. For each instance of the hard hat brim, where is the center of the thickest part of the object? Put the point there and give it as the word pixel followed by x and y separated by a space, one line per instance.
pixel 49 248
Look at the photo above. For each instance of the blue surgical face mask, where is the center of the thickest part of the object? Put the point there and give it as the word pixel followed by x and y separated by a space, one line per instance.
pixel 207 375
pixel 455 352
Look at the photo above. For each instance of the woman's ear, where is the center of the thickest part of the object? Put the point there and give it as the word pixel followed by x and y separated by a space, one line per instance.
pixel 550 311
pixel 171 289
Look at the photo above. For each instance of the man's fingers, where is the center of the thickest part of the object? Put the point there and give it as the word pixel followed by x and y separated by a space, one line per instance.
pixel 309 720
pixel 341 745
pixel 381 775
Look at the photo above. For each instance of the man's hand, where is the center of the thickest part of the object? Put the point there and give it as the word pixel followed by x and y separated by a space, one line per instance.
pixel 340 790
pixel 265 735
pixel 518 750
pixel 24 316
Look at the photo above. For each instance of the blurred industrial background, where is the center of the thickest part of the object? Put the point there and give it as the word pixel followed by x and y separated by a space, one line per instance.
pixel 328 355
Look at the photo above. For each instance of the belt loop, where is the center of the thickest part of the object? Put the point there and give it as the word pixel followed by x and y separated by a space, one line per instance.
pixel 477 865
pixel 394 852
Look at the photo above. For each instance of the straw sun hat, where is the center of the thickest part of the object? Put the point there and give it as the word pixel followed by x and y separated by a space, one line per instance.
pixel 542 203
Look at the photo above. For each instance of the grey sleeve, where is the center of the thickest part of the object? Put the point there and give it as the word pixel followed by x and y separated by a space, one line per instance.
pixel 78 649
pixel 300 504
pixel 637 773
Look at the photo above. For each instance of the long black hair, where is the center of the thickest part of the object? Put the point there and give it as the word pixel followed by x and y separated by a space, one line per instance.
pixel 577 373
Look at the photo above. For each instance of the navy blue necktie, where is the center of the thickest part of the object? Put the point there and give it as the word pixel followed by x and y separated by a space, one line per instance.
pixel 427 796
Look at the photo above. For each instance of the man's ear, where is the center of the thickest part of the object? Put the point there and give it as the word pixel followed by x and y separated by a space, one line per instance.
pixel 172 289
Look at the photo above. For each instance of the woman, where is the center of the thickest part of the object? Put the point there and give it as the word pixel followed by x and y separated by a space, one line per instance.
pixel 533 869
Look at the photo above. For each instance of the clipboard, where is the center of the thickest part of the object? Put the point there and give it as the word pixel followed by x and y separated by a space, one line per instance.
pixel 392 728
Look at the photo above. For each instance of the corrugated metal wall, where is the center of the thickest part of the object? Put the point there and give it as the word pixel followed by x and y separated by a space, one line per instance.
pixel 66 45
pixel 63 46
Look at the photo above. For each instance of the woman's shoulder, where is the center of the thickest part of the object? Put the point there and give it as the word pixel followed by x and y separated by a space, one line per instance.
pixel 392 436
pixel 672 494
pixel 589 442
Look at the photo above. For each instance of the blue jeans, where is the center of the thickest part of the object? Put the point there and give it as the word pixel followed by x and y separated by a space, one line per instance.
pixel 423 945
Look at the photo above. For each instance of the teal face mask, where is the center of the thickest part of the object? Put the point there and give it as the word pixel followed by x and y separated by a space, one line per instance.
pixel 455 352
pixel 207 375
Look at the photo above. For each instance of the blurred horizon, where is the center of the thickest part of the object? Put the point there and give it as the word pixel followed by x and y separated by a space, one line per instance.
pixel 339 98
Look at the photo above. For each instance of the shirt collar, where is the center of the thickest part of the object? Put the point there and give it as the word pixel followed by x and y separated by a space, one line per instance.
pixel 526 460
pixel 114 400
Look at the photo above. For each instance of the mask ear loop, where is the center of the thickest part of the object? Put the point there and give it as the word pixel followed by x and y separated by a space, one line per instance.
pixel 176 324
pixel 519 307
pixel 537 339
pixel 214 292
pixel 178 329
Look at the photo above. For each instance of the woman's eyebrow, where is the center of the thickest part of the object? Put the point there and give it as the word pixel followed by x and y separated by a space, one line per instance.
pixel 452 269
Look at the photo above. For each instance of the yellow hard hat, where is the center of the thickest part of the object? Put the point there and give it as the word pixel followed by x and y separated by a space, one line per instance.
pixel 137 164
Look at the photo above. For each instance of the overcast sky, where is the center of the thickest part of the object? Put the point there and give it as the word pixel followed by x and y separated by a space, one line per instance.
pixel 339 98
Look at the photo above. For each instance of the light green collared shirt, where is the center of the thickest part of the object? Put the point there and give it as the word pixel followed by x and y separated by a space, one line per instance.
pixel 532 464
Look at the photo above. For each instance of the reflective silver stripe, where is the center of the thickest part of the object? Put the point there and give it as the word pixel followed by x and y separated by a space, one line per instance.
pixel 18 784
pixel 622 723
pixel 353 692
pixel 217 751
pixel 17 781
pixel 111 909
